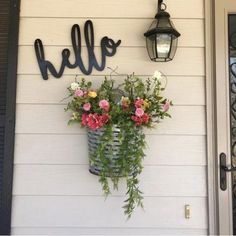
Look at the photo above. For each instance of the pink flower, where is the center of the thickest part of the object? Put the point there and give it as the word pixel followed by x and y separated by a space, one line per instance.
pixel 104 104
pixel 79 93
pixel 138 103
pixel 166 106
pixel 139 112
pixel 87 106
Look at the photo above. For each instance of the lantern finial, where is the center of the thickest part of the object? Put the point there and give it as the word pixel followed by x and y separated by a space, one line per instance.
pixel 161 6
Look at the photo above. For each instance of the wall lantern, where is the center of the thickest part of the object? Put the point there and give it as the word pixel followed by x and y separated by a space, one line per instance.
pixel 162 37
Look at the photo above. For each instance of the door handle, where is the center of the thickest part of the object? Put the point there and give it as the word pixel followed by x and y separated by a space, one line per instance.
pixel 223 171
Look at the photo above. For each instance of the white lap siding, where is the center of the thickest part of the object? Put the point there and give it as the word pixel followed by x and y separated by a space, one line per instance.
pixel 53 191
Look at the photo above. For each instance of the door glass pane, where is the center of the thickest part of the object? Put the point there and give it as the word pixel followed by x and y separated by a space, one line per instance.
pixel 232 89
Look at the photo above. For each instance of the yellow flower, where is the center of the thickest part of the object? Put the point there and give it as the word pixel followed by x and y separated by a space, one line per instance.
pixel 146 104
pixel 92 94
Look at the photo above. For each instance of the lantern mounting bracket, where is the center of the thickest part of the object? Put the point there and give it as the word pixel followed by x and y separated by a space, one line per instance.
pixel 161 6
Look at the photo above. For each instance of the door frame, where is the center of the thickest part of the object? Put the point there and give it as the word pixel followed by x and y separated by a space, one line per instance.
pixel 216 213
pixel 212 182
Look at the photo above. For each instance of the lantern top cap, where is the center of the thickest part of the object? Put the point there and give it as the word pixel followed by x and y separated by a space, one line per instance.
pixel 162 14
pixel 158 27
pixel 154 31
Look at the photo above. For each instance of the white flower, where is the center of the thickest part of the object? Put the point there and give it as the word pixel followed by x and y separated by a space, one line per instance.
pixel 74 116
pixel 74 86
pixel 157 75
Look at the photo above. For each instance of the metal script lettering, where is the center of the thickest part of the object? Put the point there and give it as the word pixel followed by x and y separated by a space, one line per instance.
pixel 108 49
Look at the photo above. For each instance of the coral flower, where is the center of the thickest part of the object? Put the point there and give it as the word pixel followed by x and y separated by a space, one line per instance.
pixel 138 103
pixel 145 118
pixel 84 119
pixel 95 121
pixel 104 119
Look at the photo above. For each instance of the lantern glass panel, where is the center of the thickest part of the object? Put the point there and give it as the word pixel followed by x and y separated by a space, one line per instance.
pixel 163 45
pixel 153 25
pixel 172 24
pixel 151 46
pixel 173 47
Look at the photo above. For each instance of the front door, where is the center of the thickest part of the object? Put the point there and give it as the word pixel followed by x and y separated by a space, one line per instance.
pixel 225 35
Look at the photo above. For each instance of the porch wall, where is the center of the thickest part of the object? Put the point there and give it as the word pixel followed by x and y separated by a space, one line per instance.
pixel 53 191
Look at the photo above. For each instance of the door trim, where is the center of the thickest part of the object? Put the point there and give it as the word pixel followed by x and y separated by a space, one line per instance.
pixel 5 213
pixel 211 114
pixel 210 71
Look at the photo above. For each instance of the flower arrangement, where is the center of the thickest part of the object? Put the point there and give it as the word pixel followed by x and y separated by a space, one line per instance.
pixel 127 107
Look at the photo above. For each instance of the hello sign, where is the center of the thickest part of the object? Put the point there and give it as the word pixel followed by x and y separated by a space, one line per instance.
pixel 108 49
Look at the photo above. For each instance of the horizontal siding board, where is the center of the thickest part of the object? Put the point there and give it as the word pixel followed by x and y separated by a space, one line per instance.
pixel 72 149
pixel 57 31
pixel 105 231
pixel 36 211
pixel 188 61
pixel 53 119
pixel 182 90
pixel 111 9
pixel 69 180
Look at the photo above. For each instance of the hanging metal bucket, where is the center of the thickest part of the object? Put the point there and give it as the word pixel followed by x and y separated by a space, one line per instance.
pixel 111 151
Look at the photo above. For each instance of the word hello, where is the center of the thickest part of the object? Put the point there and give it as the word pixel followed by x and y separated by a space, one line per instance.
pixel 108 49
